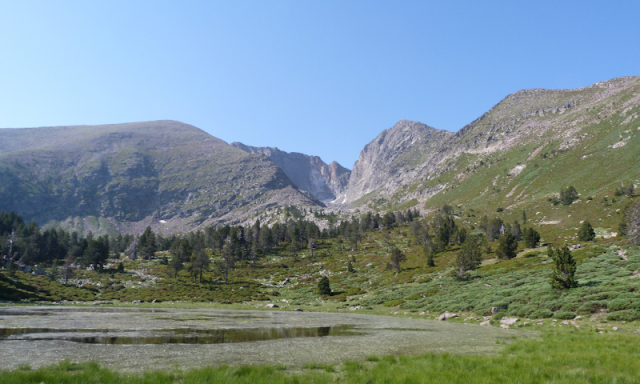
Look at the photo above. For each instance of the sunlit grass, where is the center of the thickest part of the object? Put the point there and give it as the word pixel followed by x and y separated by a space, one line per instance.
pixel 566 357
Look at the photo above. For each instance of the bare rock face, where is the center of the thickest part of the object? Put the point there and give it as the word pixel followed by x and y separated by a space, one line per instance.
pixel 308 173
pixel 396 157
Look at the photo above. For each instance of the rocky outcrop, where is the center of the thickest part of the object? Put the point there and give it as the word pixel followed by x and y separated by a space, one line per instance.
pixel 397 157
pixel 308 173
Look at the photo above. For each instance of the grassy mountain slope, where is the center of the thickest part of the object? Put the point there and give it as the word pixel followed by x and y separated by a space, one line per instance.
pixel 127 176
pixel 522 152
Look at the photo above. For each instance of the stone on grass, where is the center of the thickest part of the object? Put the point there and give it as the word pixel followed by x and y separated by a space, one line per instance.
pixel 486 323
pixel 271 306
pixel 509 320
pixel 447 316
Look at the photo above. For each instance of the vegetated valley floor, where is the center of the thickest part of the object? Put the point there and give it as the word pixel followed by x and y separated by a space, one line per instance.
pixel 588 348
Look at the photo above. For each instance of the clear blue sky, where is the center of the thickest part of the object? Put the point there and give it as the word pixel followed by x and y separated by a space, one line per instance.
pixel 318 77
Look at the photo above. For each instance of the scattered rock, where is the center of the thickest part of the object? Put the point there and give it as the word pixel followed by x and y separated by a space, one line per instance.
pixel 102 303
pixel 271 305
pixel 634 274
pixel 509 320
pixel 422 313
pixel 298 309
pixel 486 323
pixel 447 316
pixel 615 328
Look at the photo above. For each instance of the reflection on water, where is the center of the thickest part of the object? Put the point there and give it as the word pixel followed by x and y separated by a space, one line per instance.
pixel 173 336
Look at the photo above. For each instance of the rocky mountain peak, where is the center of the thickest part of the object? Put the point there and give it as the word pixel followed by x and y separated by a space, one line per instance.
pixel 393 157
pixel 308 173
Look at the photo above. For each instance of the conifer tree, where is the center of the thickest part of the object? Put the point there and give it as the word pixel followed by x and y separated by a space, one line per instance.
pixel 430 253
pixel 175 265
pixel 568 195
pixel 396 258
pixel 586 232
pixel 324 288
pixel 350 268
pixel 469 258
pixel 531 237
pixel 564 270
pixel 507 246
pixel 147 245
pixel 228 260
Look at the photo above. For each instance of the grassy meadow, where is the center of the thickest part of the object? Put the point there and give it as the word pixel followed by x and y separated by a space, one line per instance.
pixel 570 356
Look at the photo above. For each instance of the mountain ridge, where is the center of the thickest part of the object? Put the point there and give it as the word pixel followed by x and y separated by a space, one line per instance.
pixel 137 173
pixel 309 173
pixel 508 157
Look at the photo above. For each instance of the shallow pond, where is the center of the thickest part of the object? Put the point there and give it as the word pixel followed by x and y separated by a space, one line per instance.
pixel 135 339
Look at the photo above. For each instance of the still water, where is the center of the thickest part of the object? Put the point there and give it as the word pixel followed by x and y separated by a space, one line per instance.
pixel 134 339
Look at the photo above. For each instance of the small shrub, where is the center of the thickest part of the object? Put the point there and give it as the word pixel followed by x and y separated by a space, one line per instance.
pixel 526 310
pixel 620 304
pixel 591 307
pixel 564 315
pixel 393 303
pixel 627 315
pixel 499 315
pixel 542 314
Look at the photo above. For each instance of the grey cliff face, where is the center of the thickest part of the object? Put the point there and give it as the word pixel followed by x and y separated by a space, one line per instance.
pixel 308 173
pixel 396 157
